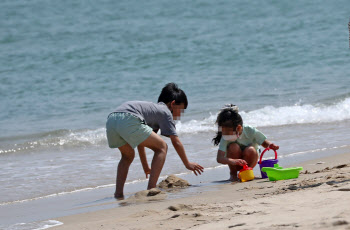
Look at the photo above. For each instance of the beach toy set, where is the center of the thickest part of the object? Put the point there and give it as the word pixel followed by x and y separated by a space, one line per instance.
pixel 270 169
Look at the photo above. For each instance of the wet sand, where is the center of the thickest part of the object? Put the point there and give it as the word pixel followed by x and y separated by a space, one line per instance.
pixel 318 199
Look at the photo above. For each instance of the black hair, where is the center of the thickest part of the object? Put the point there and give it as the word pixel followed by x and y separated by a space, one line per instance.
pixel 172 92
pixel 227 117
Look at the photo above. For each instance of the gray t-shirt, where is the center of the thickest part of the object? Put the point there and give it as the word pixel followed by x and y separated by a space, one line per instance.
pixel 157 116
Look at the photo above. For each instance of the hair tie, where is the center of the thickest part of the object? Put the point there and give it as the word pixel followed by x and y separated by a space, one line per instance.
pixel 230 107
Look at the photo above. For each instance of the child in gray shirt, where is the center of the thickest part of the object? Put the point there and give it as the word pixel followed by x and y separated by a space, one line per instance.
pixel 135 124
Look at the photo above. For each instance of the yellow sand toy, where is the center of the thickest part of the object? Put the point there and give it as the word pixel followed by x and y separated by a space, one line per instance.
pixel 246 174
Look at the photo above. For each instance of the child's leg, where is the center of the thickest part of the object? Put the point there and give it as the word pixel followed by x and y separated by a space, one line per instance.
pixel 234 151
pixel 128 155
pixel 250 156
pixel 160 148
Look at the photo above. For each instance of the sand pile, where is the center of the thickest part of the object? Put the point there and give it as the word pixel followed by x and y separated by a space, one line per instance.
pixel 173 181
pixel 147 193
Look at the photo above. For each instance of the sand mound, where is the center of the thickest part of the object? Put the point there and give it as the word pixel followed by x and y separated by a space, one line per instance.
pixel 173 181
pixel 146 193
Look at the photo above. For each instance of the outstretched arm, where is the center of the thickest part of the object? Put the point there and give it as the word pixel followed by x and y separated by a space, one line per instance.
pixel 196 168
pixel 143 158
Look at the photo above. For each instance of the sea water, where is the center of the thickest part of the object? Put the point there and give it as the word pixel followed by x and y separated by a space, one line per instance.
pixel 65 65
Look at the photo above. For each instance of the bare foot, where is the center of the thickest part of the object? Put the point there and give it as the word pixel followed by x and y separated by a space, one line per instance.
pixel 234 178
pixel 119 197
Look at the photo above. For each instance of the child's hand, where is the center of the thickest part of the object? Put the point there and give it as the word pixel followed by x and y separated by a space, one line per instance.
pixel 273 146
pixel 147 171
pixel 196 168
pixel 239 162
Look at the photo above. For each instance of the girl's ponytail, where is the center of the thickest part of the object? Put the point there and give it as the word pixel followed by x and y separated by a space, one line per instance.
pixel 217 138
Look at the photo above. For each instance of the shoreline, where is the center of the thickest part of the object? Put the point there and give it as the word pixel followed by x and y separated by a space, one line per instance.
pixel 262 203
pixel 45 212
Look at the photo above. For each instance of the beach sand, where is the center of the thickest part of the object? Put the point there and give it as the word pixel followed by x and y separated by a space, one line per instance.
pixel 318 199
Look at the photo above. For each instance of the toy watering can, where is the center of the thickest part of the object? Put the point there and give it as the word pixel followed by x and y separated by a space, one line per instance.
pixel 246 174
pixel 267 163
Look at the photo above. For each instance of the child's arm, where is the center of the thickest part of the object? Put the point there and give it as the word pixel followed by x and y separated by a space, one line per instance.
pixel 268 144
pixel 222 159
pixel 196 168
pixel 143 159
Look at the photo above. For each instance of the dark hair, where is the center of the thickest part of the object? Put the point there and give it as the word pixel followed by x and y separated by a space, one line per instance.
pixel 172 92
pixel 228 117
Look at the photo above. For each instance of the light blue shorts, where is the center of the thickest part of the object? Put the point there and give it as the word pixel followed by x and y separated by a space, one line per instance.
pixel 124 128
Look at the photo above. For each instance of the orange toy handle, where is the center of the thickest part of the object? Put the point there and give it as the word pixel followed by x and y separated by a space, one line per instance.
pixel 267 149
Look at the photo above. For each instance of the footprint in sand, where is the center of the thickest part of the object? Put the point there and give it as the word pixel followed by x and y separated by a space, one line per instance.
pixel 236 225
pixel 340 222
pixel 180 207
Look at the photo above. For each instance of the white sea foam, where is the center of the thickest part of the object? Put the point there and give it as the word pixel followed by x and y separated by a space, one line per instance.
pixel 48 224
pixel 298 114
pixel 275 116
pixel 61 138
pixel 195 126
pixel 35 225
pixel 266 116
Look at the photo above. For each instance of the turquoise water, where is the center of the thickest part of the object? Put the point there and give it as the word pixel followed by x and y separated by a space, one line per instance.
pixel 65 65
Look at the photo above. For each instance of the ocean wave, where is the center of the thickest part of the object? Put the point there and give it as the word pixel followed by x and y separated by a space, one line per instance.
pixel 58 139
pixel 40 225
pixel 298 114
pixel 277 116
pixel 263 117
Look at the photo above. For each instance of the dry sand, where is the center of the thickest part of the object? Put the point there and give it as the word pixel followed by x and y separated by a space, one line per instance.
pixel 318 199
